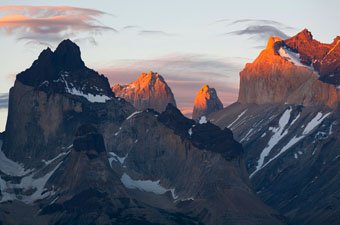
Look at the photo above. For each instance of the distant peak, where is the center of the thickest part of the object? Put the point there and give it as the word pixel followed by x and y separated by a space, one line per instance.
pixel 205 88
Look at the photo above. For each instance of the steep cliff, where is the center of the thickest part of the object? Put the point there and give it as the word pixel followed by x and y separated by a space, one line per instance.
pixel 287 120
pixel 280 74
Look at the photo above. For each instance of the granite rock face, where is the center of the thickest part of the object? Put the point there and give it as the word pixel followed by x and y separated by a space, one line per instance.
pixel 281 74
pixel 206 102
pixel 149 91
pixel 287 120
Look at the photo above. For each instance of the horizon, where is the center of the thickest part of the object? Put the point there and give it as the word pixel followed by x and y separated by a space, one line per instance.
pixel 188 48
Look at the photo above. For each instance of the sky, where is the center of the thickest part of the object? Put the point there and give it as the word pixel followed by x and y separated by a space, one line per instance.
pixel 188 42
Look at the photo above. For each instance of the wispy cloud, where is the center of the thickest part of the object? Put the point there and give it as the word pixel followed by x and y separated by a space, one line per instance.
pixel 185 74
pixel 258 29
pixel 260 32
pixel 154 32
pixel 50 24
pixel 3 101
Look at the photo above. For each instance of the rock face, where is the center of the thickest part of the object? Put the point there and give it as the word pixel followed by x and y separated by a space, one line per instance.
pixel 149 91
pixel 280 74
pixel 290 135
pixel 206 102
pixel 66 159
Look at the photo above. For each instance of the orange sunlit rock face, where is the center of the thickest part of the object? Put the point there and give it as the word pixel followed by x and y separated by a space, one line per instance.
pixel 149 91
pixel 281 75
pixel 206 102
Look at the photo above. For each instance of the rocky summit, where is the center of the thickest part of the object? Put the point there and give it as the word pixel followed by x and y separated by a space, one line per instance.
pixel 149 91
pixel 76 154
pixel 283 74
pixel 287 118
pixel 206 102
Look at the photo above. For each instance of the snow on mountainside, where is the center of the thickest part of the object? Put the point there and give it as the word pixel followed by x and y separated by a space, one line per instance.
pixel 287 119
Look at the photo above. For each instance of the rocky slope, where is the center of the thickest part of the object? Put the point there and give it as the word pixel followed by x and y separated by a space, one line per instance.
pixel 287 120
pixel 149 91
pixel 66 159
pixel 206 102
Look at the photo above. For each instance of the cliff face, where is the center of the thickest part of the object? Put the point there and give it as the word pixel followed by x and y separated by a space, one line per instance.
pixel 280 74
pixel 291 134
pixel 149 91
pixel 206 102
pixel 88 157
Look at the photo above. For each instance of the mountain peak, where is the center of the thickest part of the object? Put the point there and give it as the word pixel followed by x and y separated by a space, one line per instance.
pixel 149 90
pixel 305 34
pixel 63 71
pixel 206 102
pixel 67 55
pixel 285 66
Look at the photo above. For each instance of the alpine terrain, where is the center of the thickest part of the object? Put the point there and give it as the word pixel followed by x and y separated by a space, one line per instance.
pixel 287 118
pixel 74 153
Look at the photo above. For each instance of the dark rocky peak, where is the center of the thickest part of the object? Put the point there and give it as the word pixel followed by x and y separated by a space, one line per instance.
pixel 88 140
pixel 63 71
pixel 203 134
pixel 67 56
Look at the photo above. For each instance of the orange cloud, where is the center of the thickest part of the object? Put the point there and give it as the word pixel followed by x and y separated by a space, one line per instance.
pixel 50 23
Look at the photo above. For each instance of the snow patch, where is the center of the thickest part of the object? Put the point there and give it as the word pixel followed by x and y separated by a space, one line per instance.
pixel 116 158
pixel 292 57
pixel 47 162
pixel 317 120
pixel 203 120
pixel 190 132
pixel 279 133
pixel 238 117
pixel 10 167
pixel 133 114
pixel 146 185
pixel 90 97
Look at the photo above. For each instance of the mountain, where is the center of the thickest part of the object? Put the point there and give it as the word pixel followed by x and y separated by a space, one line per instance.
pixel 149 91
pixel 287 118
pixel 206 102
pixel 67 159
pixel 278 75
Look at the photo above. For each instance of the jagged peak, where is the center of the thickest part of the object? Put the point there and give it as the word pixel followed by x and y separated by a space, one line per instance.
pixel 305 34
pixel 68 55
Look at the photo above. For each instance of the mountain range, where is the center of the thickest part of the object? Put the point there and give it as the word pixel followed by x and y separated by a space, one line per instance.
pixel 78 151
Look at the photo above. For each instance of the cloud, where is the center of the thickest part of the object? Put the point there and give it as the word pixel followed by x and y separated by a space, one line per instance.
pixel 155 32
pixel 50 24
pixel 258 29
pixel 184 73
pixel 3 101
pixel 260 32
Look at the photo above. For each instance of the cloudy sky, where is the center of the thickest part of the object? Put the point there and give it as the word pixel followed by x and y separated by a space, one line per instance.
pixel 189 42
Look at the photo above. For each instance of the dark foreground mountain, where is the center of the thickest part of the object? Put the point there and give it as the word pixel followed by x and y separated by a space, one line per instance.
pixel 287 119
pixel 73 153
